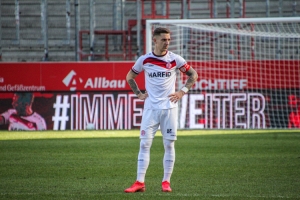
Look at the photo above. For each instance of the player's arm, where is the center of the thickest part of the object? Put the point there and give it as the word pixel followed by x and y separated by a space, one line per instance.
pixel 133 85
pixel 193 76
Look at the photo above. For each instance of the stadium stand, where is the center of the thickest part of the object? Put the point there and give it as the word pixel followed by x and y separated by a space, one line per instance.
pixel 23 35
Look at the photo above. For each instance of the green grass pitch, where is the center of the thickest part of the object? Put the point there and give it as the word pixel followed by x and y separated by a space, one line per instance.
pixel 101 164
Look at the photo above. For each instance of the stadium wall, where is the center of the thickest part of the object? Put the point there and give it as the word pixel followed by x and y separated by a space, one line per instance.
pixel 95 95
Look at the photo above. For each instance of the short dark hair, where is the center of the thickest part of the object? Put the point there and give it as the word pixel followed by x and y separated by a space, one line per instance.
pixel 160 30
pixel 25 97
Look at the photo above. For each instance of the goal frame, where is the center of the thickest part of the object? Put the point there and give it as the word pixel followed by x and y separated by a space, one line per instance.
pixel 237 95
pixel 148 41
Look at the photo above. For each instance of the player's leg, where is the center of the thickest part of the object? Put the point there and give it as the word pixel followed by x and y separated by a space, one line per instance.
pixel 142 166
pixel 168 163
pixel 143 158
pixel 169 132
pixel 148 129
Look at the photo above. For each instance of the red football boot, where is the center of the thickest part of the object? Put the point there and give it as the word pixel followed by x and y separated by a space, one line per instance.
pixel 166 186
pixel 136 187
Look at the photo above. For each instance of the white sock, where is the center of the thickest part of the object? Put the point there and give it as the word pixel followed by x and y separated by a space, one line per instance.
pixel 169 159
pixel 143 159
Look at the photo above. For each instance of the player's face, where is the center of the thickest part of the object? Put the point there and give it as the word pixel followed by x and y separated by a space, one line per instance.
pixel 162 43
pixel 18 104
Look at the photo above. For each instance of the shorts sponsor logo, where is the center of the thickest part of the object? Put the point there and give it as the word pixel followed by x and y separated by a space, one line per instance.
pixel 143 132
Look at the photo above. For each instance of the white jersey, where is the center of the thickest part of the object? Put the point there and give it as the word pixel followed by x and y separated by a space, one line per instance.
pixel 160 77
pixel 23 123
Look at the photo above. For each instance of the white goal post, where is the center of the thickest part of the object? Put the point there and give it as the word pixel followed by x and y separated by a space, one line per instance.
pixel 249 71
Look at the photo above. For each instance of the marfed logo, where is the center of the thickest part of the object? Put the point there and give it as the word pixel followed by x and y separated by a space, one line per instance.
pixel 71 80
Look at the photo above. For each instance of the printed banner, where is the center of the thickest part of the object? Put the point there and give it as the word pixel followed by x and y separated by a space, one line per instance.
pixel 95 95
pixel 71 111
pixel 123 110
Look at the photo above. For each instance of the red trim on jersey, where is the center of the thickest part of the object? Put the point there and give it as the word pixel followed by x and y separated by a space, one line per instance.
pixel 27 123
pixel 184 68
pixel 160 63
pixel 134 71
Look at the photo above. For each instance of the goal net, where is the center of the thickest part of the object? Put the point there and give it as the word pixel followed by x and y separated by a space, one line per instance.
pixel 249 71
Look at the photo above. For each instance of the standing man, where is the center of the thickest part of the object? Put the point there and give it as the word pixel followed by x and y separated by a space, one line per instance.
pixel 160 106
pixel 22 117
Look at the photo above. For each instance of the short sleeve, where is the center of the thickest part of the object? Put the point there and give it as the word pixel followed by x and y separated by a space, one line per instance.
pixel 7 114
pixel 138 65
pixel 182 64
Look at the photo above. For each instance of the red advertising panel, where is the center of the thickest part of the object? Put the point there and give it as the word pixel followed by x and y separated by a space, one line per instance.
pixel 69 76
pixel 261 74
pixel 20 76
pixel 111 76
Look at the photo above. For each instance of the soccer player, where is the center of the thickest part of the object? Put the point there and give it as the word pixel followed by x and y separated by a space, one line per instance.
pixel 22 117
pixel 160 104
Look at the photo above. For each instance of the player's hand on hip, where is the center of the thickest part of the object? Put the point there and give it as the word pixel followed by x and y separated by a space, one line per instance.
pixel 175 97
pixel 142 96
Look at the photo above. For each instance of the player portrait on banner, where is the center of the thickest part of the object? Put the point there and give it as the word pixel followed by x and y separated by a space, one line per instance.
pixel 21 117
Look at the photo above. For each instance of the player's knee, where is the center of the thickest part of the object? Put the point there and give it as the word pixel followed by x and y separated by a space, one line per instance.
pixel 145 143
pixel 169 144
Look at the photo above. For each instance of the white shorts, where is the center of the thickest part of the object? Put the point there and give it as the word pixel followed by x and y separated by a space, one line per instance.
pixel 166 119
